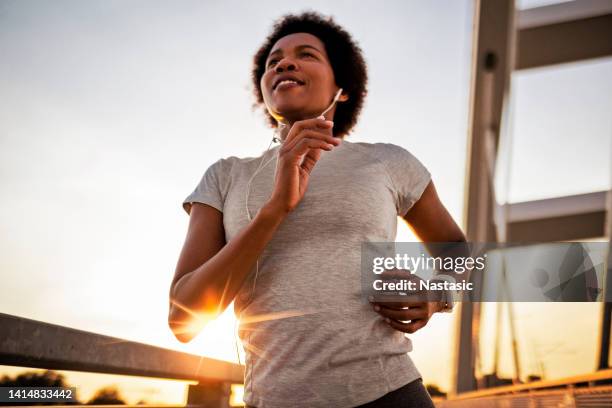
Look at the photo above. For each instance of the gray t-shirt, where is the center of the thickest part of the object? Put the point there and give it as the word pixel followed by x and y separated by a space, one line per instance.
pixel 310 339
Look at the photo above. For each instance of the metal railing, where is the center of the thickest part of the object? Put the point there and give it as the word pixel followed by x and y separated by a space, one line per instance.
pixel 588 390
pixel 30 343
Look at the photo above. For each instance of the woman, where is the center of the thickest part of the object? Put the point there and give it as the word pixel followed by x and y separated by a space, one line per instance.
pixel 280 236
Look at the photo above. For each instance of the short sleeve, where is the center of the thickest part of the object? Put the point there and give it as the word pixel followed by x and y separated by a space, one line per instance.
pixel 409 176
pixel 210 188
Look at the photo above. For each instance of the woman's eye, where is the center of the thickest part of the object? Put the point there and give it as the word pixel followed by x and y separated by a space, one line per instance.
pixel 307 54
pixel 271 62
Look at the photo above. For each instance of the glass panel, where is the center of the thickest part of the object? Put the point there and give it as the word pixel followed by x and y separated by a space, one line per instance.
pixel 561 131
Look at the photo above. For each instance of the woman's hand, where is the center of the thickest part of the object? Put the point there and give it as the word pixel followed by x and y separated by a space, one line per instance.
pixel 397 313
pixel 298 155
pixel 407 313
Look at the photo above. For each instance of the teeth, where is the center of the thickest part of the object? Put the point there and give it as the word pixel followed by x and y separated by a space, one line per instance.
pixel 286 81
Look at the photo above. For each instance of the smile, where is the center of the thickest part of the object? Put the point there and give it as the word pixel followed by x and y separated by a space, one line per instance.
pixel 286 84
pixel 286 81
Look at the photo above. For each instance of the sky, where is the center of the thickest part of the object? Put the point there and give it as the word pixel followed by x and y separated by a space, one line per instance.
pixel 110 112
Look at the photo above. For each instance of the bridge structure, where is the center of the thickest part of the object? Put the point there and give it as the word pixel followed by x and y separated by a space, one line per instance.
pixel 506 41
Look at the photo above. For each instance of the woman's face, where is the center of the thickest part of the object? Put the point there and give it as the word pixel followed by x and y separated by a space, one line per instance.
pixel 298 82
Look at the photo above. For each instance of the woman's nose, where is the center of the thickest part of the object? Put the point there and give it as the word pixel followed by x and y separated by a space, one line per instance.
pixel 286 64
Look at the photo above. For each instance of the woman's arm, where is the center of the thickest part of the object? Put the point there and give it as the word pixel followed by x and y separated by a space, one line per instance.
pixel 432 223
pixel 209 272
pixel 430 219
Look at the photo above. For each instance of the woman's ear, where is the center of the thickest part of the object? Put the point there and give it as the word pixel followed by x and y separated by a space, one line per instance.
pixel 343 97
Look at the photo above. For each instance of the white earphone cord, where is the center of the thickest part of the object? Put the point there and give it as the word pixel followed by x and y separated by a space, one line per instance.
pixel 246 205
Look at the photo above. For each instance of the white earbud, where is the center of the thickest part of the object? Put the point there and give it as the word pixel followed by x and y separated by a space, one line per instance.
pixel 333 102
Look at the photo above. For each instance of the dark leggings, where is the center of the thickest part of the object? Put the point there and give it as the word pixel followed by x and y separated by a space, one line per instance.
pixel 412 395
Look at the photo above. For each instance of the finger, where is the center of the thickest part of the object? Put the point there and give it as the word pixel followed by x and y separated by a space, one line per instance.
pixel 308 134
pixel 402 305
pixel 407 327
pixel 400 286
pixel 296 154
pixel 313 134
pixel 391 305
pixel 406 298
pixel 316 124
pixel 400 275
pixel 311 159
pixel 402 314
